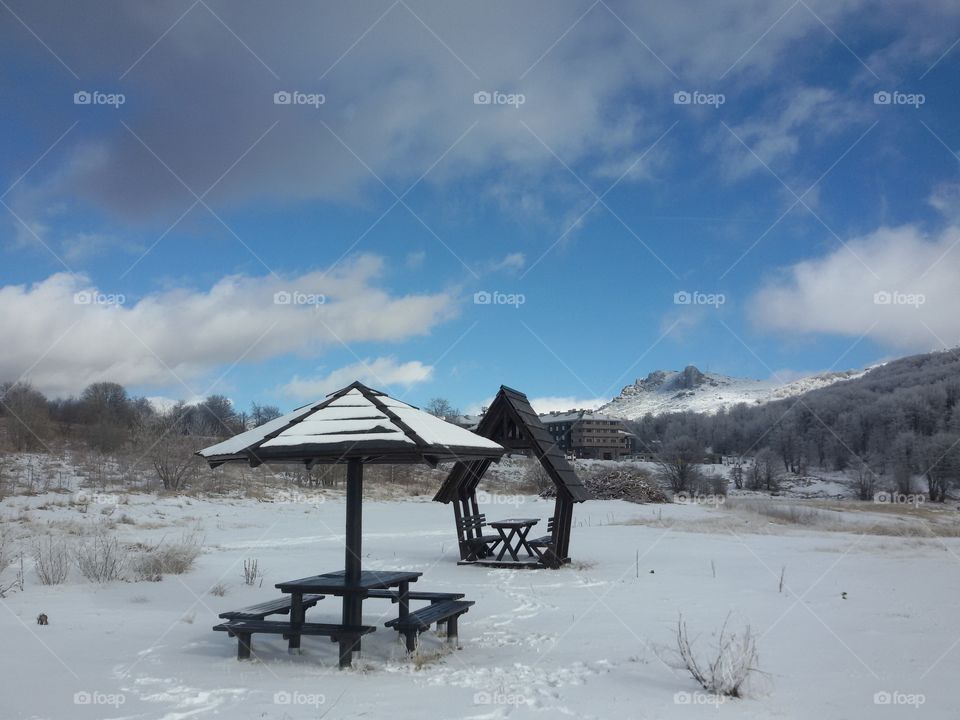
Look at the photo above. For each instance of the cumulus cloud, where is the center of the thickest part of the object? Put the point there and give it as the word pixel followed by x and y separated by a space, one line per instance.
pixel 63 333
pixel 381 373
pixel 398 81
pixel 897 286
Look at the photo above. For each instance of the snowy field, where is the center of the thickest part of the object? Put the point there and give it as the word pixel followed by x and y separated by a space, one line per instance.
pixel 865 626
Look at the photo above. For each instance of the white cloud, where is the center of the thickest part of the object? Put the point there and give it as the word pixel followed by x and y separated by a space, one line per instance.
pixel 549 403
pixel 62 346
pixel 380 373
pixel 804 117
pixel 897 286
pixel 510 263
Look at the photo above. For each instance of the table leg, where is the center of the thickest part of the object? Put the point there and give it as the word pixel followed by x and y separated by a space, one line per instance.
pixel 296 621
pixel 506 544
pixel 404 600
pixel 523 540
pixel 513 549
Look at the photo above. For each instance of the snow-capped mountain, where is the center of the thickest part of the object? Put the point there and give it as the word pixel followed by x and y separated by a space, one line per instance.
pixel 666 391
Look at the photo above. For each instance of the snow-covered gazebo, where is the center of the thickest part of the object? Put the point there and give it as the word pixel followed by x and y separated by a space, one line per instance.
pixel 355 425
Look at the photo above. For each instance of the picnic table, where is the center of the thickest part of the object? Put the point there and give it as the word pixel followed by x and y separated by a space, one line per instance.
pixel 353 594
pixel 444 610
pixel 513 532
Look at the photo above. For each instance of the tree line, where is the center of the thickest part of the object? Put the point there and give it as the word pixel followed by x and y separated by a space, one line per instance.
pixel 896 425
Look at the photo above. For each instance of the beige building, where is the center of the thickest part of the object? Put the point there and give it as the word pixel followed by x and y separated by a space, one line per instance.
pixel 589 434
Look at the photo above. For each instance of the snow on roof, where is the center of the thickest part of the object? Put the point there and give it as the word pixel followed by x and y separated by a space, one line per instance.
pixel 355 421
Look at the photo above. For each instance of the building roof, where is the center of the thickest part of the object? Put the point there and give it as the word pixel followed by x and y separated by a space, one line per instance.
pixel 355 422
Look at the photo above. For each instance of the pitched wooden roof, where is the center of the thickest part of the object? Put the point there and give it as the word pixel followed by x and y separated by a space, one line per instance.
pixel 355 422
pixel 511 422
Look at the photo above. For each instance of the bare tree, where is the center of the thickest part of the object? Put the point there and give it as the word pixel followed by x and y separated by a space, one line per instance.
pixel 678 464
pixel 441 408
pixel 27 414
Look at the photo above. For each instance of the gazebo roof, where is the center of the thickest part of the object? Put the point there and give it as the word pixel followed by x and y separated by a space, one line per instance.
pixel 355 422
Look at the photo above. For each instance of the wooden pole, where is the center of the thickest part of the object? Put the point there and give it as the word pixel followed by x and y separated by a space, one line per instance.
pixel 352 601
pixel 354 530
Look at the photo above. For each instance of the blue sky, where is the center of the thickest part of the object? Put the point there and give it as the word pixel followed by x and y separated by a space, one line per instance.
pixel 147 242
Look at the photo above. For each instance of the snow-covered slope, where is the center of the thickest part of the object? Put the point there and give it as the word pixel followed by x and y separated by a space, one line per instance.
pixel 666 391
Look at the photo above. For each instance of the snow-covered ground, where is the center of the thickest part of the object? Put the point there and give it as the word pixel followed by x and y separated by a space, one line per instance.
pixel 859 615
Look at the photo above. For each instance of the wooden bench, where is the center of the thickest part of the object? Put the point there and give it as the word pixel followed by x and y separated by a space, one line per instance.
pixel 442 612
pixel 543 546
pixel 433 597
pixel 244 629
pixel 479 545
pixel 280 606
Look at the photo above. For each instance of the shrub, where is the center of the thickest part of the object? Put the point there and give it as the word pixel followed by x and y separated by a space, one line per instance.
pixel 173 559
pixel 725 672
pixel 251 571
pixel 101 559
pixel 51 559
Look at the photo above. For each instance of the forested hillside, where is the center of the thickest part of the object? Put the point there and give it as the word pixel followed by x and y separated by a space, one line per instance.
pixel 894 426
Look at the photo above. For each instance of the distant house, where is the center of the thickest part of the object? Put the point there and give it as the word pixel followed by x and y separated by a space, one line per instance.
pixel 589 434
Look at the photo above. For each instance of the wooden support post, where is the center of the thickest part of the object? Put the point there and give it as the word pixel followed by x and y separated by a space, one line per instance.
pixel 352 601
pixel 296 621
pixel 243 646
pixel 452 633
